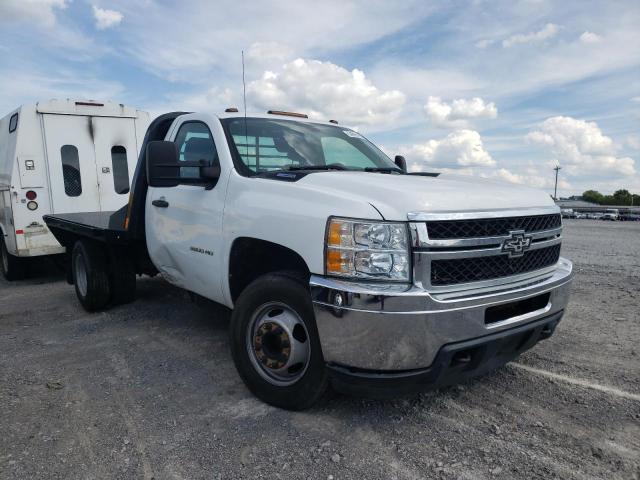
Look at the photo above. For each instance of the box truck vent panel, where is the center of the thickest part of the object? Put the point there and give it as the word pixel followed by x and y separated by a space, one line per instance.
pixel 71 170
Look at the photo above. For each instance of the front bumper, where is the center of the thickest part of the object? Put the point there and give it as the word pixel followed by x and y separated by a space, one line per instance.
pixel 386 328
pixel 454 363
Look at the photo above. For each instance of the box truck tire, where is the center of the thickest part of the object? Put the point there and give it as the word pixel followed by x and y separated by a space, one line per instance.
pixel 13 268
pixel 90 275
pixel 275 343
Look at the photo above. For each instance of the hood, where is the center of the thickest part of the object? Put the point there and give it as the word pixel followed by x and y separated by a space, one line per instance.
pixel 394 196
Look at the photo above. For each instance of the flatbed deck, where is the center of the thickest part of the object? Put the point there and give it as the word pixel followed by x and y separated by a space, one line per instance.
pixel 103 226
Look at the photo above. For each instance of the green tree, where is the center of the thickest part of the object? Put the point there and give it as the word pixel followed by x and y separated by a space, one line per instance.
pixel 622 197
pixel 593 196
pixel 619 197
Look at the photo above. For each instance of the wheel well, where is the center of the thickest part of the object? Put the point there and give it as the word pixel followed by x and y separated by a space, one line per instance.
pixel 252 257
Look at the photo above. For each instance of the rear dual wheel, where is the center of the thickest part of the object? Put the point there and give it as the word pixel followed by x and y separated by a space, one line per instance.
pixel 100 280
pixel 275 343
pixel 90 277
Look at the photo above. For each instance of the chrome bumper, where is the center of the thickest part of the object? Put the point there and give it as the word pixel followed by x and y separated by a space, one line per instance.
pixel 388 327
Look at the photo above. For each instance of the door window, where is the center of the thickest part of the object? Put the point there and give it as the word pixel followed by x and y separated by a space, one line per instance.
pixel 195 144
pixel 71 170
pixel 120 169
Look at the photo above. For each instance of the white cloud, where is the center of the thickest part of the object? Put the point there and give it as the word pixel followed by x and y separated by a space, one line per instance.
pixel 325 90
pixel 462 148
pixel 26 87
pixel 580 147
pixel 590 37
pixel 547 32
pixel 106 18
pixel 635 99
pixel 484 43
pixel 41 12
pixel 204 38
pixel 269 53
pixel 633 141
pixel 458 112
pixel 214 99
pixel 530 179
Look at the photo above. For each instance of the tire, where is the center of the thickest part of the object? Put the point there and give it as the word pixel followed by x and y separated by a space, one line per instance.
pixel 13 268
pixel 269 302
pixel 123 278
pixel 90 275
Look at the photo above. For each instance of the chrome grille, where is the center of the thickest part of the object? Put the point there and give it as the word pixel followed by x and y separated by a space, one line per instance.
pixel 464 250
pixel 491 227
pixel 474 269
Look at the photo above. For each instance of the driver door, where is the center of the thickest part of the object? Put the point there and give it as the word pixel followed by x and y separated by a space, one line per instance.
pixel 184 223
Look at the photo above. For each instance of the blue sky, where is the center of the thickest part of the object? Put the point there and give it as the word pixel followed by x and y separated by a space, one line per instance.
pixel 502 90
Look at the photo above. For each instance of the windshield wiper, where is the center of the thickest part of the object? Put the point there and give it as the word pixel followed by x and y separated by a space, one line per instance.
pixel 332 166
pixel 383 169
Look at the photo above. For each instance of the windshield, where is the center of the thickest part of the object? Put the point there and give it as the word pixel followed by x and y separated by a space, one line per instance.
pixel 266 145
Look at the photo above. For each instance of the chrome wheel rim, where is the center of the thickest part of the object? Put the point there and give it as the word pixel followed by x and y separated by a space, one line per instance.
pixel 81 275
pixel 278 344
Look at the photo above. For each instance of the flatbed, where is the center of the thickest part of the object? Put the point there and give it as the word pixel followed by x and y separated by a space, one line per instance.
pixel 96 225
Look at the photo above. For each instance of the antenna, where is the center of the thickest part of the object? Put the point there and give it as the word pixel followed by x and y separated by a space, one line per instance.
pixel 244 100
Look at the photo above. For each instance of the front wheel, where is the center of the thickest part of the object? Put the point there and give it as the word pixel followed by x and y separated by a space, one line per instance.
pixel 275 344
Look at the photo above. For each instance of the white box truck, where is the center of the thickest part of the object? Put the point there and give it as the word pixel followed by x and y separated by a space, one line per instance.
pixel 61 156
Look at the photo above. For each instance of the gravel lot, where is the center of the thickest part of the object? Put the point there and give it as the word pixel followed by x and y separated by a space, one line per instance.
pixel 148 390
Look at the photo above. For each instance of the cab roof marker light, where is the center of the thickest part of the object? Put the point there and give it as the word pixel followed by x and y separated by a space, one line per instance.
pixel 90 104
pixel 288 114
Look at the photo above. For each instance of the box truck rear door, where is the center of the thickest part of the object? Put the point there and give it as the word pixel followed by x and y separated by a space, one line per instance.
pixel 72 163
pixel 116 156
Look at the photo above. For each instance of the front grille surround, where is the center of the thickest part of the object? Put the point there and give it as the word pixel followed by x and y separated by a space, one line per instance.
pixel 464 262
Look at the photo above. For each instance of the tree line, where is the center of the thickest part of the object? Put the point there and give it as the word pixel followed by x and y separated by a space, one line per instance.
pixel 619 197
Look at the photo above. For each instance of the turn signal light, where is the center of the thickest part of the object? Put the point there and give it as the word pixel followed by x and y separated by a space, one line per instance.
pixel 339 262
pixel 31 195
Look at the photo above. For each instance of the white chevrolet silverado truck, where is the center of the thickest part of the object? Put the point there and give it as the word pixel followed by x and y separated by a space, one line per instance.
pixel 342 269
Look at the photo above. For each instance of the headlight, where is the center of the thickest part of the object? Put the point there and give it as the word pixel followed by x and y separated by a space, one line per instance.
pixel 372 250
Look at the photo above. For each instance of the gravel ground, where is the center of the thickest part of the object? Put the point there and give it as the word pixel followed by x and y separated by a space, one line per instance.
pixel 148 390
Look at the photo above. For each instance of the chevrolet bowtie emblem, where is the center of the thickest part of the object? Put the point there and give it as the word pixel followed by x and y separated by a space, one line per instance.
pixel 516 244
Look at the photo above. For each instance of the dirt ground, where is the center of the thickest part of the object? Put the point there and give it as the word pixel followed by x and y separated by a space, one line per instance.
pixel 148 390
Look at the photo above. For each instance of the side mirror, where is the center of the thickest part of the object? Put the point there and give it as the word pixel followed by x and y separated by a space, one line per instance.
pixel 163 169
pixel 210 172
pixel 401 162
pixel 210 175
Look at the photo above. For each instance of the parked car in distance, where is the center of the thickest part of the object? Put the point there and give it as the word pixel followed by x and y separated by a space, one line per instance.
pixel 61 156
pixel 342 269
pixel 612 214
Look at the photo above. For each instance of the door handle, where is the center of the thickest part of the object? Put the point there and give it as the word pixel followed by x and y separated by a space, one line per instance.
pixel 160 203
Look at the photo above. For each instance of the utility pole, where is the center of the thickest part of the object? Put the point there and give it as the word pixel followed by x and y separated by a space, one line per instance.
pixel 555 189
